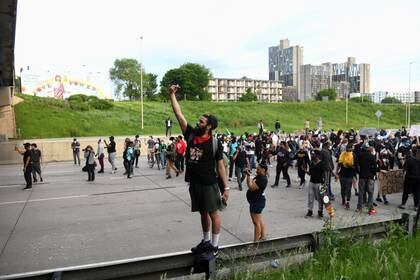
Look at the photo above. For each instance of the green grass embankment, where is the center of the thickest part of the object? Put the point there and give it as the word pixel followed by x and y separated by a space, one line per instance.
pixel 396 257
pixel 46 118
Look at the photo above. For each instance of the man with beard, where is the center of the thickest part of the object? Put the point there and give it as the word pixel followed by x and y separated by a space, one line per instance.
pixel 201 163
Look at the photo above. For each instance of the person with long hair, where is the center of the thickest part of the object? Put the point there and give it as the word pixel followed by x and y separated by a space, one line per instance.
pixel 256 198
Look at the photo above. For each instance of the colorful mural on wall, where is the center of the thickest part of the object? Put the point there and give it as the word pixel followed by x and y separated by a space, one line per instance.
pixel 62 86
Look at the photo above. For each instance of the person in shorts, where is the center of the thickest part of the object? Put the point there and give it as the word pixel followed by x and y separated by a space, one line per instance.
pixel 256 199
pixel 201 164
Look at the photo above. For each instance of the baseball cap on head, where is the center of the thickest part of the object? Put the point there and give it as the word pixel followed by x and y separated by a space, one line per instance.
pixel 212 121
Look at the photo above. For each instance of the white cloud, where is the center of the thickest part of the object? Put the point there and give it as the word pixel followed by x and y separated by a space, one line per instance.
pixel 229 37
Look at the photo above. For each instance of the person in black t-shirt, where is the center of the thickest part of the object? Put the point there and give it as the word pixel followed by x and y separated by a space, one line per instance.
pixel 282 153
pixel 111 153
pixel 317 173
pixel 256 198
pixel 27 164
pixel 201 164
pixel 36 162
pixel 241 164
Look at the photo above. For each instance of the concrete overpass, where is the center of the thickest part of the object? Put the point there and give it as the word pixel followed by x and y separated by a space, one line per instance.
pixel 8 10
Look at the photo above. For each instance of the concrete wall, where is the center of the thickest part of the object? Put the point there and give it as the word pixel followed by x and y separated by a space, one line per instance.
pixel 60 149
pixel 7 114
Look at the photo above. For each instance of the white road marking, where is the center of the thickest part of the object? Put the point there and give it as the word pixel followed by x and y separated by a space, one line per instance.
pixel 44 199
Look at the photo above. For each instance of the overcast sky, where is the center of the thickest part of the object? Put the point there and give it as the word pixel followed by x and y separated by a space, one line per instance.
pixel 231 38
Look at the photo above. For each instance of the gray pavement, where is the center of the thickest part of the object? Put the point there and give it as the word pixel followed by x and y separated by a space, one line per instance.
pixel 68 221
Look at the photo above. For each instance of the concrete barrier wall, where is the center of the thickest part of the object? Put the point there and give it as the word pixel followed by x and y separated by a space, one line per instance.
pixel 60 149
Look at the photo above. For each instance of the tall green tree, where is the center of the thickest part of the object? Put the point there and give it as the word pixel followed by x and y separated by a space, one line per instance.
pixel 248 96
pixel 193 79
pixel 125 74
pixel 329 92
pixel 150 86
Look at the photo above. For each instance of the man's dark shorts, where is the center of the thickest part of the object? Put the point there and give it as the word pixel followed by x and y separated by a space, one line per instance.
pixel 205 197
pixel 257 207
pixel 36 166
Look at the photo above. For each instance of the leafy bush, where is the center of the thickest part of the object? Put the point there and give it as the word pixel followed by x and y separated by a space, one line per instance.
pixel 83 102
pixel 100 104
pixel 80 106
pixel 388 100
pixel 330 93
pixel 78 98
pixel 361 100
pixel 248 96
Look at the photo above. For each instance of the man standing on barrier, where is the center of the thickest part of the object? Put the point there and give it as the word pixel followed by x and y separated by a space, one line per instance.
pixel 203 156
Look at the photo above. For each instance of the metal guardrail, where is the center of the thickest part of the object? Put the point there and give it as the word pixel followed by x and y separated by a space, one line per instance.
pixel 180 263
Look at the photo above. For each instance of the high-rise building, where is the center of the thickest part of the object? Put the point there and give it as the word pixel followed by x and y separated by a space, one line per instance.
pixel 314 78
pixel 356 75
pixel 345 78
pixel 284 63
pixel 223 90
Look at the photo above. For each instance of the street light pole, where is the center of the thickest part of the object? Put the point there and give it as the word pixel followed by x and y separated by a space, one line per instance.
pixel 347 108
pixel 141 82
pixel 409 95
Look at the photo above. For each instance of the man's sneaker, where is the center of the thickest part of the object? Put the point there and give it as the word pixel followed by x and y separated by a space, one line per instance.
pixel 401 206
pixel 202 247
pixel 386 202
pixel 309 214
pixel 374 204
pixel 378 199
pixel 356 193
pixel 168 177
pixel 288 186
pixel 215 250
pixel 320 214
pixel 372 211
pixel 274 186
pixel 42 180
pixel 347 205
pixel 27 188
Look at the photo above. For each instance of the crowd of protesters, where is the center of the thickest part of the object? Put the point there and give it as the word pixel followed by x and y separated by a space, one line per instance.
pixel 355 160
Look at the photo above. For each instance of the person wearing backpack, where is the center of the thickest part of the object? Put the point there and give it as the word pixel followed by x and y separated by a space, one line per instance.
pixel 202 159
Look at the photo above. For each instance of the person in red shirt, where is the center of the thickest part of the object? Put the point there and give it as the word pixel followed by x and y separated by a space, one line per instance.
pixel 181 146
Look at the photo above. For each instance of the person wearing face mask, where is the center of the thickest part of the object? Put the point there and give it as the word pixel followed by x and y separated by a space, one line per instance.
pixel 366 167
pixel 203 156
pixel 383 168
